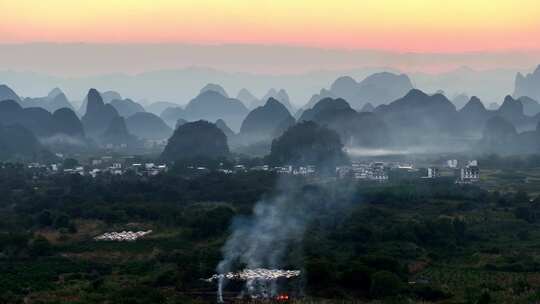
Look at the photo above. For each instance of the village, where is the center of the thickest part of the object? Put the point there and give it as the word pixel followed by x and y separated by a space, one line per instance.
pixel 463 171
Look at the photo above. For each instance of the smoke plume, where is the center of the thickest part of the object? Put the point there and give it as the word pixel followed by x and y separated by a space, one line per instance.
pixel 277 225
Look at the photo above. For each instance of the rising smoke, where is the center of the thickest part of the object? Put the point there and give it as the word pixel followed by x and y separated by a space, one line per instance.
pixel 277 227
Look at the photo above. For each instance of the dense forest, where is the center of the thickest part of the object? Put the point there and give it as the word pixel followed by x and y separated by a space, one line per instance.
pixel 405 240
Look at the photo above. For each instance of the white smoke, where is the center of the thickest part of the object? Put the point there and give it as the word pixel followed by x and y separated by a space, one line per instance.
pixel 277 225
pixel 261 241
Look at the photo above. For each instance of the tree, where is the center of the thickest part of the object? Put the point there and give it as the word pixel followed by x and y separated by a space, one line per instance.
pixel 357 278
pixel 385 283
pixel 40 246
pixel 45 218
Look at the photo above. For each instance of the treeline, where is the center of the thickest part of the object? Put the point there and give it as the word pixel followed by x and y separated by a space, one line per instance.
pixel 362 240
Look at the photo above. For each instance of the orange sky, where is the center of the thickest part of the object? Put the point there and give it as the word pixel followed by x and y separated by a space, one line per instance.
pixel 402 25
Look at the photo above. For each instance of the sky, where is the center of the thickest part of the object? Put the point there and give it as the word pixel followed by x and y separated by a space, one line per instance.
pixel 430 26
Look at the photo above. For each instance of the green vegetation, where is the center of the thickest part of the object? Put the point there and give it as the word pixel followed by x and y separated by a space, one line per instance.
pixel 408 241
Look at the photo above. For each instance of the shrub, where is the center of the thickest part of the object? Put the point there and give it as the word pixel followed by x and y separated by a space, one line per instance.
pixel 385 284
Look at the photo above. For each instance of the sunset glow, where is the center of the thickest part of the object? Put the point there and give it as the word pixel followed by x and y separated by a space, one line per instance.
pixel 412 25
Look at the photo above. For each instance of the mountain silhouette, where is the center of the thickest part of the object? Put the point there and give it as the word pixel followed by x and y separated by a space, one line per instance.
pixel 355 129
pixel 368 107
pixel 172 114
pixel 106 96
pixel 248 99
pixel 528 85
pixel 126 107
pixel 6 93
pixel 17 143
pixel 98 115
pixel 473 116
pixel 512 110
pixel 377 89
pixel 324 93
pixel 211 106
pixel 180 122
pixel 196 139
pixel 148 126
pixel 55 100
pixel 418 117
pixel 68 123
pixel 38 120
pixel 499 135
pixel 159 106
pixel 215 88
pixel 226 130
pixel 460 100
pixel 531 107
pixel 54 92
pixel 307 143
pixel 266 122
pixel 326 105
pixel 117 133
pixel 282 96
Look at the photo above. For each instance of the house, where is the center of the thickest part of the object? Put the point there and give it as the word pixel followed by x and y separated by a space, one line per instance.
pixel 469 173
pixel 452 163
pixel 433 173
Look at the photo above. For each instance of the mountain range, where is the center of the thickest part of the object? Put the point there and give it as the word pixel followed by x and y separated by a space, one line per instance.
pixel 528 85
pixel 266 122
pixel 212 105
pixel 56 99
pixel 354 128
pixel 415 117
pixel 377 89
pixel 126 107
pixel 148 126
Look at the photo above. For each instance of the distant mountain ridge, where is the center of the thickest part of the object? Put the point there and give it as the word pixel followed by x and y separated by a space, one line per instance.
pixel 126 107
pixel 211 106
pixel 106 96
pixel 377 89
pixel 226 130
pixel 6 93
pixel 98 115
pixel 355 129
pixel 38 120
pixel 266 122
pixel 55 100
pixel 528 85
pixel 117 135
pixel 146 125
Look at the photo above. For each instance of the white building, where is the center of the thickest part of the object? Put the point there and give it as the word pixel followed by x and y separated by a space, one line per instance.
pixel 433 173
pixel 452 163
pixel 470 174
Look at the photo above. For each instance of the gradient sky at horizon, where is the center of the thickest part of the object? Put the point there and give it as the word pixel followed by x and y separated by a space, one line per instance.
pixel 399 25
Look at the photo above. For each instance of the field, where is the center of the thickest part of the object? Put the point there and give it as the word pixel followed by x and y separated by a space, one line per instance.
pixel 512 180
